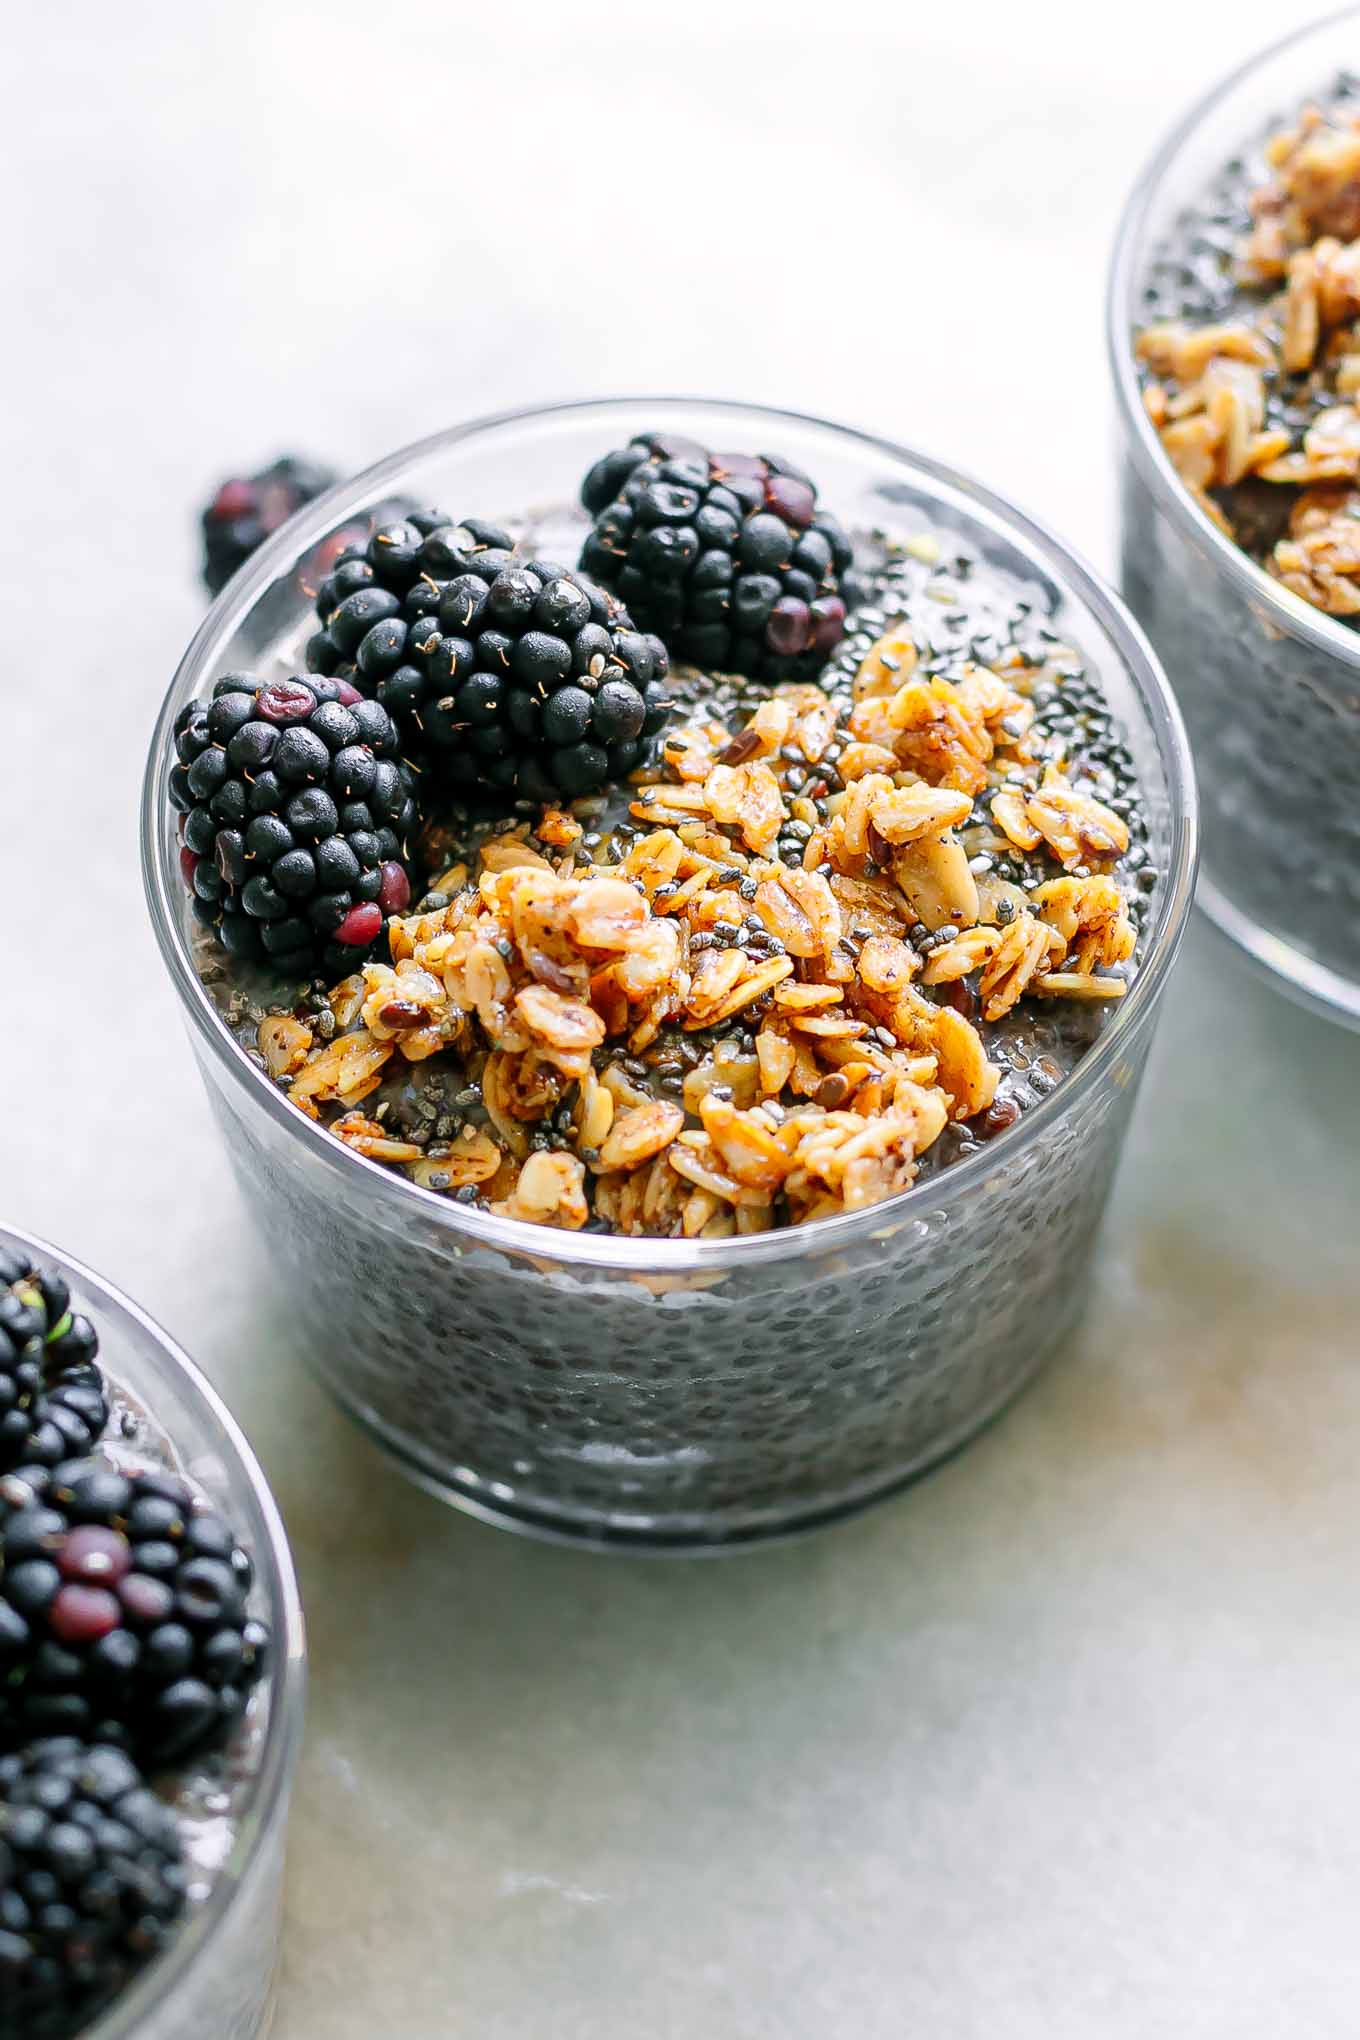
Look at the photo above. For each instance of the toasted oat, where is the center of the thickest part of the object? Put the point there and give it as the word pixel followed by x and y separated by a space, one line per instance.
pixel 968 952
pixel 1008 811
pixel 1180 353
pixel 345 1069
pixel 908 814
pixel 963 1071
pixel 891 662
pixel 1061 984
pixel 472 1157
pixel 367 1137
pixel 568 1028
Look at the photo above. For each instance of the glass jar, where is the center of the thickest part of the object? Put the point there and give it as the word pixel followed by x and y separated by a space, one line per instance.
pixel 1270 686
pixel 665 1392
pixel 214 1980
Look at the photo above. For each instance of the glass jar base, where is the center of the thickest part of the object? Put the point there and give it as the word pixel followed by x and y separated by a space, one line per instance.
pixel 504 1507
pixel 1292 971
pixel 658 1391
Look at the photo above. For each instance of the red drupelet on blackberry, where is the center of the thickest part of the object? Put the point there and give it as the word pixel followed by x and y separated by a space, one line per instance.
pixel 123 1612
pixel 503 672
pixel 297 811
pixel 92 1880
pixel 53 1404
pixel 247 508
pixel 727 557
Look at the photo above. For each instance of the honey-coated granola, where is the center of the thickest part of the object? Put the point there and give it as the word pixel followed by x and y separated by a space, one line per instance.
pixel 714 1033
pixel 1267 393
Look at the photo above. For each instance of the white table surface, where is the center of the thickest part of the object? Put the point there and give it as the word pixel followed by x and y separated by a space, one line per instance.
pixel 1062 1744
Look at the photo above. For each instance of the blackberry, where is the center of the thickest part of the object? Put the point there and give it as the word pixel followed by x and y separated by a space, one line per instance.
pixel 247 508
pixel 508 673
pixel 726 556
pixel 52 1400
pixel 92 1880
pixel 122 1612
pixel 296 813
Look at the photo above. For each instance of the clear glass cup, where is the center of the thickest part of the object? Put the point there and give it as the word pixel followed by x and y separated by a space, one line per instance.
pixel 215 1978
pixel 661 1392
pixel 1269 685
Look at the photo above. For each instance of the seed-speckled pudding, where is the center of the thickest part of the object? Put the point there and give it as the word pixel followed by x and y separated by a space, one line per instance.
pixel 1251 351
pixel 147 1655
pixel 602 1177
pixel 1235 330
pixel 830 931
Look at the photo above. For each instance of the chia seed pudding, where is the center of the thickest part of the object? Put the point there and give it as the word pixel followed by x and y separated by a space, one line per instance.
pixel 1238 294
pixel 695 1152
pixel 864 923
pixel 137 1687
pixel 1250 351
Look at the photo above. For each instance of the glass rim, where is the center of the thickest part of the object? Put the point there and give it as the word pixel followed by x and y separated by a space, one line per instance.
pixel 1288 612
pixel 469 1229
pixel 155 1987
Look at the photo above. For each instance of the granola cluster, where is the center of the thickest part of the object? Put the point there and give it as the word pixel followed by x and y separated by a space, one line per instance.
pixel 1268 391
pixel 762 995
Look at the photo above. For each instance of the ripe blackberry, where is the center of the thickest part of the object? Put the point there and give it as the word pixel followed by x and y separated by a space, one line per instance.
pixel 508 672
pixel 122 1612
pixel 297 809
pixel 726 556
pixel 52 1400
pixel 247 508
pixel 92 1879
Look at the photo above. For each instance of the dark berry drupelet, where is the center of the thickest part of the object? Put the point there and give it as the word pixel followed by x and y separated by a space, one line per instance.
pixel 502 671
pixel 92 1880
pixel 123 1612
pixel 728 557
pixel 247 508
pixel 53 1404
pixel 297 809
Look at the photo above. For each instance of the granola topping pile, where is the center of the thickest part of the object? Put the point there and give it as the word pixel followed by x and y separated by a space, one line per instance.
pixel 778 974
pixel 1253 378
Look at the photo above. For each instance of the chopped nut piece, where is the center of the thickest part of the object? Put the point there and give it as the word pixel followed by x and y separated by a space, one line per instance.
pixel 776 1058
pixel 892 660
pixel 549 1191
pixel 284 1043
pixel 746 797
pixel 935 880
pixel 639 1134
pixel 907 814
pixel 963 1072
